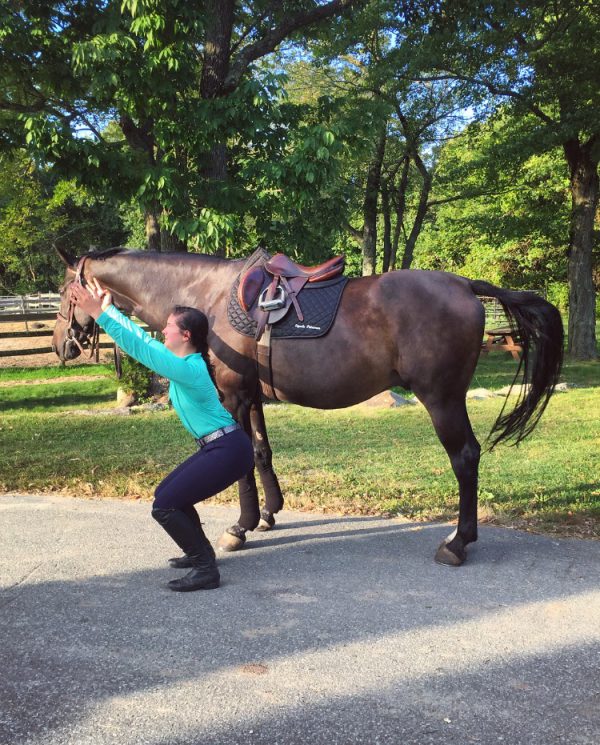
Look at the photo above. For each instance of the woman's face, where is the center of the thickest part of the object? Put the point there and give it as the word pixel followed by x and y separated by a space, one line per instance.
pixel 175 339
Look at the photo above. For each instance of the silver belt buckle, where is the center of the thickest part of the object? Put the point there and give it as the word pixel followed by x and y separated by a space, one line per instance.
pixel 275 303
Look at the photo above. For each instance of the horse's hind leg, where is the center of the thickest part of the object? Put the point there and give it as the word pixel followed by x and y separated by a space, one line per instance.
pixel 453 427
pixel 263 459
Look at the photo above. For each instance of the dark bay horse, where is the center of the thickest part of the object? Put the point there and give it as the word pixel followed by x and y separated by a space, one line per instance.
pixel 421 330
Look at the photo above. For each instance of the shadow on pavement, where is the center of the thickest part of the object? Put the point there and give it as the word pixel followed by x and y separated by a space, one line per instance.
pixel 90 637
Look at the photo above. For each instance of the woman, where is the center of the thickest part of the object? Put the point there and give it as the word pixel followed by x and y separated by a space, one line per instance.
pixel 225 452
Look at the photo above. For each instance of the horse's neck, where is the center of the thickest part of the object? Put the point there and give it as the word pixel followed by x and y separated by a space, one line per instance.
pixel 149 287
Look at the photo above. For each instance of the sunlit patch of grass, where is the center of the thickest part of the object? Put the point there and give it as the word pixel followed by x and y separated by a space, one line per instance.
pixel 58 396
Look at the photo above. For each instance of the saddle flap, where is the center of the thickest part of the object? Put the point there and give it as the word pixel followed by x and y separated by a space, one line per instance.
pixel 250 287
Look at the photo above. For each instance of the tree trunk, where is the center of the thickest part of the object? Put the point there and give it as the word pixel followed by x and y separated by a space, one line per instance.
pixel 421 212
pixel 369 246
pixel 215 66
pixel 400 207
pixel 152 230
pixel 584 203
pixel 170 243
pixel 387 226
pixel 219 15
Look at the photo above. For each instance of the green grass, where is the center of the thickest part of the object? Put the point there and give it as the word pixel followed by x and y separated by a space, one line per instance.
pixel 497 369
pixel 58 396
pixel 351 461
pixel 8 374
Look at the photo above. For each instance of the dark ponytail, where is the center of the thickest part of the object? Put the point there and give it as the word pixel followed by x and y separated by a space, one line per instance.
pixel 195 323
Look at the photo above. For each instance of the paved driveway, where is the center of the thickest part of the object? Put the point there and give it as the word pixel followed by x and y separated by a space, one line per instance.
pixel 326 631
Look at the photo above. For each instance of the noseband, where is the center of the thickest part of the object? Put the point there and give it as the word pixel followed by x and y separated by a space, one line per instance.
pixel 91 341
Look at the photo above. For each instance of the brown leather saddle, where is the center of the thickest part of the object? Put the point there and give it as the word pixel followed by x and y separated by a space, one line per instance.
pixel 267 291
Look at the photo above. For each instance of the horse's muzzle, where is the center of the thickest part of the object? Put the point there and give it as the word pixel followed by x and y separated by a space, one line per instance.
pixel 70 350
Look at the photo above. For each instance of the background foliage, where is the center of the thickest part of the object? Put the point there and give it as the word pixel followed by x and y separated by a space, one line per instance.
pixel 456 136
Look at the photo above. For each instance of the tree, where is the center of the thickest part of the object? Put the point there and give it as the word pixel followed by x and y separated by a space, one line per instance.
pixel 499 214
pixel 544 59
pixel 37 211
pixel 398 123
pixel 185 84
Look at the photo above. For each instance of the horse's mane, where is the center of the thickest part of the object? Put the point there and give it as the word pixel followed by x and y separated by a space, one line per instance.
pixel 106 253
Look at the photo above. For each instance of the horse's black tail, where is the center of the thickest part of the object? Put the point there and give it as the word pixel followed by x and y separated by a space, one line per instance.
pixel 538 325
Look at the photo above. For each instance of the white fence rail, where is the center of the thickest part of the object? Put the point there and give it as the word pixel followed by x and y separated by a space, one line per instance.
pixel 42 302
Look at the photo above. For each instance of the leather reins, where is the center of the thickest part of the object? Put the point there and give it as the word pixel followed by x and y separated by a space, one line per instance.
pixel 92 341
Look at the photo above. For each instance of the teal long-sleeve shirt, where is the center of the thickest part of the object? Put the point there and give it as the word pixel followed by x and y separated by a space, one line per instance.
pixel 191 390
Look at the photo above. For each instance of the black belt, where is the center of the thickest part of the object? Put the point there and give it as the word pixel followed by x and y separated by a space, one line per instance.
pixel 202 441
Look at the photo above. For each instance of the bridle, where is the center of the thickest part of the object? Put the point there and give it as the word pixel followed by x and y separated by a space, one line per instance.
pixel 91 341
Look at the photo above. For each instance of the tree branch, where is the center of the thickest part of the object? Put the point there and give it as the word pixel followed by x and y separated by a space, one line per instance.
pixel 269 9
pixel 356 234
pixel 275 36
pixel 469 195
pixel 495 90
pixel 32 108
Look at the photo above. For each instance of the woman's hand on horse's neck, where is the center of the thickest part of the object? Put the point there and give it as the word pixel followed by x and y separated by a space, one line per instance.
pixel 109 280
pixel 134 294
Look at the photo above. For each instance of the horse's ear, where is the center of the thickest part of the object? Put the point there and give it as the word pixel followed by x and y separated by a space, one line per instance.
pixel 66 257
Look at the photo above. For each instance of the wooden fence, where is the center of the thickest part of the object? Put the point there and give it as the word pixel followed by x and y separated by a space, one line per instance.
pixel 35 333
pixel 31 310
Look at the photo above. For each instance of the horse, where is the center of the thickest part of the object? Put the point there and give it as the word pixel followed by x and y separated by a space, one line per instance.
pixel 421 330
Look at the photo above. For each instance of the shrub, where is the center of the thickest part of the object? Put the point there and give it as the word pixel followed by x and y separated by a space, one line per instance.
pixel 135 379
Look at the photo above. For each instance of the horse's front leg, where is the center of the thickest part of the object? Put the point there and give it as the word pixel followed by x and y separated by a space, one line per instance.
pixel 234 537
pixel 263 459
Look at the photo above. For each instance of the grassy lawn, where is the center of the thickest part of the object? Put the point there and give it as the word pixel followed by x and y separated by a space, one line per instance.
pixel 12 374
pixel 76 395
pixel 351 461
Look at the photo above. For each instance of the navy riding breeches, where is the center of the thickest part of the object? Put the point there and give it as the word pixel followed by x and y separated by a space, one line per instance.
pixel 213 468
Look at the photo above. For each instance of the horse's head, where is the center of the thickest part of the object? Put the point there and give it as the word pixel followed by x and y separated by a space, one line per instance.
pixel 74 330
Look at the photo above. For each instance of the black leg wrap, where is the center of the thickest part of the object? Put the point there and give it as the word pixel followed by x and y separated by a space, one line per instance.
pixel 249 509
pixel 273 495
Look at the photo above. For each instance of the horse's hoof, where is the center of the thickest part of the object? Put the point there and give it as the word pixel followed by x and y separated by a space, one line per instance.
pixel 448 558
pixel 266 522
pixel 230 542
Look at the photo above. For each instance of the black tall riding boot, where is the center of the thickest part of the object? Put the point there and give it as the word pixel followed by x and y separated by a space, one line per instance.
pixel 204 574
pixel 184 562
